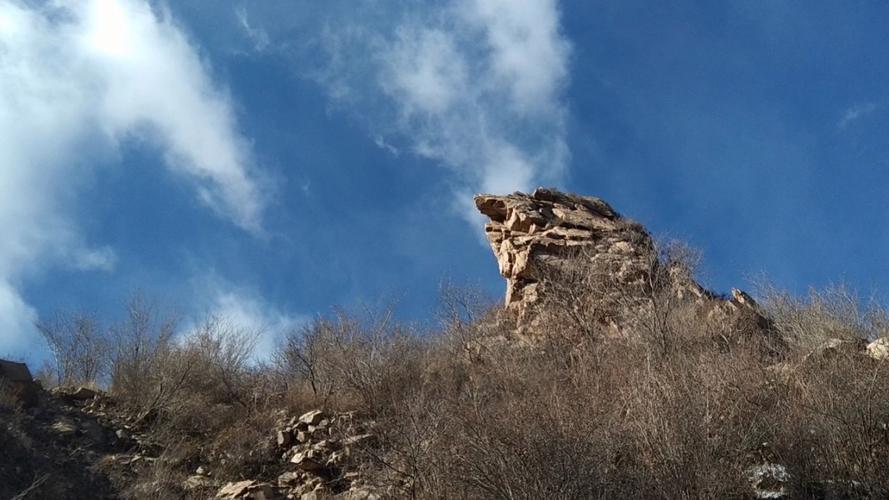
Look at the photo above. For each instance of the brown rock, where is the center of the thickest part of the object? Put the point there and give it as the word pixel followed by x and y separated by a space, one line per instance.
pixel 879 349
pixel 18 377
pixel 533 234
pixel 246 490
pixel 284 438
pixel 235 490
pixel 291 478
pixel 538 238
pixel 82 394
pixel 309 461
pixel 313 417
pixel 197 482
pixel 361 439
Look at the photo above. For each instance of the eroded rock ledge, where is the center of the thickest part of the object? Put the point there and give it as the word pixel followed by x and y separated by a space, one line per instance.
pixel 540 235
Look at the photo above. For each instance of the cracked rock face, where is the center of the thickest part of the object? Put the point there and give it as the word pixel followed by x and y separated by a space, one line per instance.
pixel 540 235
pixel 530 234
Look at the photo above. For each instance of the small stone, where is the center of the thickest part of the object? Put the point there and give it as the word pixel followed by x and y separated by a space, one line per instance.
pixel 82 393
pixel 284 439
pixel 361 439
pixel 235 490
pixel 319 493
pixel 196 482
pixel 290 478
pixel 307 461
pixel 336 459
pixel 879 349
pixel 312 418
pixel 64 426
pixel 769 480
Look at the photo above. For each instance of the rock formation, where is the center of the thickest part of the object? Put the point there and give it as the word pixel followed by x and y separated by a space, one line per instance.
pixel 532 234
pixel 540 237
pixel 18 376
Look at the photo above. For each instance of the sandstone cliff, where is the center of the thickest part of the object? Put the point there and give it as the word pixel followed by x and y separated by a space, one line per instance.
pixel 541 239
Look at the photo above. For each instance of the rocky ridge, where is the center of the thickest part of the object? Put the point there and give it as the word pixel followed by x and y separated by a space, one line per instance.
pixel 543 234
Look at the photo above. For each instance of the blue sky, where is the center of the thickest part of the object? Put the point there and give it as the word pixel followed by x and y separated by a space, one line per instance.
pixel 269 160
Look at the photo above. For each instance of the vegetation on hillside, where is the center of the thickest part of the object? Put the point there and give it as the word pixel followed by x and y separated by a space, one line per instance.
pixel 475 410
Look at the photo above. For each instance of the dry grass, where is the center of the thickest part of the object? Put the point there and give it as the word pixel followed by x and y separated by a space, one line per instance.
pixel 671 410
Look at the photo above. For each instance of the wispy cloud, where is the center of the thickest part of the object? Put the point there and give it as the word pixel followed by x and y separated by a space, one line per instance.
pixel 258 37
pixel 79 78
pixel 246 311
pixel 476 85
pixel 856 112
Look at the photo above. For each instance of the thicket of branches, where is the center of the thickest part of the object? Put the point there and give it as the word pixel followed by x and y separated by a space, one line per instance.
pixel 680 408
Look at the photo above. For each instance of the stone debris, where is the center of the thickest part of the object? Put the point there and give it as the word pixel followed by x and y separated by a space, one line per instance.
pixel 769 481
pixel 321 449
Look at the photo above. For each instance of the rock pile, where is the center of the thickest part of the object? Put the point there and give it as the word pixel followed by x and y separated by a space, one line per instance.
pixel 321 449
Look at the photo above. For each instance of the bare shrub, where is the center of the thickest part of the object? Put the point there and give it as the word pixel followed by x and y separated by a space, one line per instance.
pixel 79 348
pixel 363 361
pixel 664 411
pixel 147 369
pixel 833 313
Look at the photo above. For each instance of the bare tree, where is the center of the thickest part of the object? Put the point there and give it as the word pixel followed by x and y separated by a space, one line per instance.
pixel 79 347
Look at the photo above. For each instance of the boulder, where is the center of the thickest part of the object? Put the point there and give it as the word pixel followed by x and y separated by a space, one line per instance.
pixel 246 490
pixel 879 349
pixel 291 478
pixel 82 394
pixel 313 417
pixel 18 378
pixel 309 461
pixel 235 490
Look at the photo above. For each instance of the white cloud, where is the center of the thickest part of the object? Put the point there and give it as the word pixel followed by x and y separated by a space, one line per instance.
pixel 78 78
pixel 473 84
pixel 492 115
pixel 528 55
pixel 249 313
pixel 425 71
pixel 258 37
pixel 856 112
pixel 18 337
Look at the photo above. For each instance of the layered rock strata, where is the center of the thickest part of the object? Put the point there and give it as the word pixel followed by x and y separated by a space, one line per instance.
pixel 542 237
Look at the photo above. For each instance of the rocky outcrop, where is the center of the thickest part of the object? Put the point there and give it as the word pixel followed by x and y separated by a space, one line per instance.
pixel 534 234
pixel 540 239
